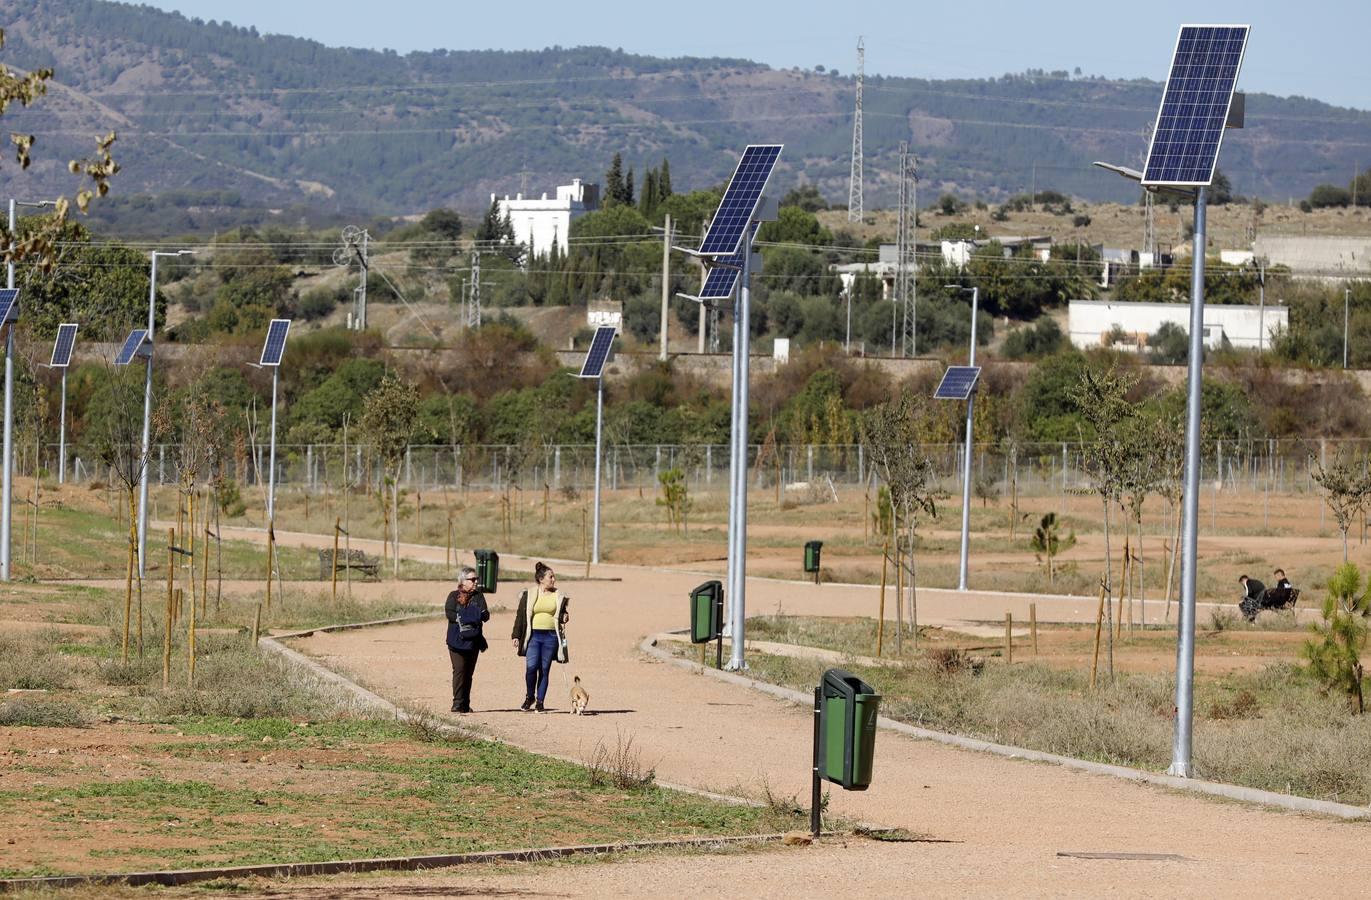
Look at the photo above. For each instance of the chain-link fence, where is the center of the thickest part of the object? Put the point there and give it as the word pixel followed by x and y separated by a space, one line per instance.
pixel 1270 466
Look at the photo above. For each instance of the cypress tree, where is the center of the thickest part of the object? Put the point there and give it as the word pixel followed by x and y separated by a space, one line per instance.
pixel 614 181
pixel 647 200
pixel 664 180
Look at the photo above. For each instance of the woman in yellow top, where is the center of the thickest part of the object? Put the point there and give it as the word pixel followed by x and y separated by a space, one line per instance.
pixel 539 634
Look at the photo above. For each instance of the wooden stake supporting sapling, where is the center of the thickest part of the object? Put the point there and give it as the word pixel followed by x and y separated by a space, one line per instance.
pixel 1099 622
pixel 337 527
pixel 880 618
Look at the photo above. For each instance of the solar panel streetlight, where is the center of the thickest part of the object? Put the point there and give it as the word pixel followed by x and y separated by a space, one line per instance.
pixel 728 246
pixel 966 464
pixel 1197 105
pixel 11 313
pixel 61 359
pixel 147 408
pixel 597 357
pixel 272 350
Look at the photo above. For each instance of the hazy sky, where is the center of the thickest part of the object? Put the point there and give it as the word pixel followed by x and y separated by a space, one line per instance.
pixel 1315 50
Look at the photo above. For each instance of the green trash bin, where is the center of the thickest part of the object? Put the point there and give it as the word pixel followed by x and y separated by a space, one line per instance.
pixel 847 729
pixel 487 570
pixel 812 554
pixel 706 612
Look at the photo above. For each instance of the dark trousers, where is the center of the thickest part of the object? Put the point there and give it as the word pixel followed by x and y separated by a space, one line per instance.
pixel 463 668
pixel 541 650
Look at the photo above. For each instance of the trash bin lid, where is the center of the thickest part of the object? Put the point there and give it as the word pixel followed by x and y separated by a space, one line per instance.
pixel 839 683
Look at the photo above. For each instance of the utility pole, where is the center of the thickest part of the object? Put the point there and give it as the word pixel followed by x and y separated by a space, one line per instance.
pixel 1261 308
pixel 1346 298
pixel 854 191
pixel 666 282
pixel 906 260
pixel 474 307
pixel 355 242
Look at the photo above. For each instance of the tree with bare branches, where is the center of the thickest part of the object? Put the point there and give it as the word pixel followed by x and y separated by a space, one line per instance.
pixel 893 434
pixel 1102 399
pixel 390 414
pixel 118 439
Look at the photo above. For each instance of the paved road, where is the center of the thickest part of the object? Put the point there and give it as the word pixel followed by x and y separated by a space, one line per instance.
pixel 1000 822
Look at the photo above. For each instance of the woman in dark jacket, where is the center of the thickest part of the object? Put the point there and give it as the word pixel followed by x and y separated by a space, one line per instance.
pixel 539 633
pixel 466 611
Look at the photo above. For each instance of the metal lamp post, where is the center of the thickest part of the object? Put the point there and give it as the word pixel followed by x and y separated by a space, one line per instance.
pixel 597 357
pixel 966 464
pixel 61 359
pixel 599 455
pixel 7 481
pixel 147 412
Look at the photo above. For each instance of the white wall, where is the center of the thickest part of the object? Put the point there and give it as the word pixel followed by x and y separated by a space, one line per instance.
pixel 1091 321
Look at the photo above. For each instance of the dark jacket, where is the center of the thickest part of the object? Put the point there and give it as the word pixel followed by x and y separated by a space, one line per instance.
pixel 467 617
pixel 1254 589
pixel 523 621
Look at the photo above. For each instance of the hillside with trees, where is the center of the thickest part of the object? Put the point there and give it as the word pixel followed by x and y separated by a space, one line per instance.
pixel 228 116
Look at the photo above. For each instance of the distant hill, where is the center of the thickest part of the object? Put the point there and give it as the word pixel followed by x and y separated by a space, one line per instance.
pixel 229 117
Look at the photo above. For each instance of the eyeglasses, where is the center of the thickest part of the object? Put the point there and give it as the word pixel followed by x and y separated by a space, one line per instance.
pixel 469 578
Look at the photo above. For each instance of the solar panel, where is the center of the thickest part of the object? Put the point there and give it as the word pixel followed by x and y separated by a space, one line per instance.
pixel 721 278
pixel 958 383
pixel 740 200
pixel 1194 110
pixel 276 342
pixel 598 354
pixel 9 309
pixel 132 345
pixel 66 342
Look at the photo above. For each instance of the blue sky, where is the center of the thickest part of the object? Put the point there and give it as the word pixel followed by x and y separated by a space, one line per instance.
pixel 1315 50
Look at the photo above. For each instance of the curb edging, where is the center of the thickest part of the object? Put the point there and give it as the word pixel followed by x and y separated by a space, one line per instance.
pixel 396 863
pixel 1190 785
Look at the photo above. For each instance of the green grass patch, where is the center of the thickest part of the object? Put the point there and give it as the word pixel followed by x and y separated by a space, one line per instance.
pixel 360 789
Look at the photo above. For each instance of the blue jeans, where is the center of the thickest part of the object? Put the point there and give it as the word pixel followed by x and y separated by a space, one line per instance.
pixel 538 657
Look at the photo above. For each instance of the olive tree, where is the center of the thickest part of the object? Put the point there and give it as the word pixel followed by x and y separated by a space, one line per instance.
pixel 1346 485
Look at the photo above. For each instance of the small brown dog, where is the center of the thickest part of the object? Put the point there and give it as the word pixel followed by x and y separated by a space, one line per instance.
pixel 579 698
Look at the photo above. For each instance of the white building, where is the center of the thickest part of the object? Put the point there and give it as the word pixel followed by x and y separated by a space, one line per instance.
pixel 1099 323
pixel 544 222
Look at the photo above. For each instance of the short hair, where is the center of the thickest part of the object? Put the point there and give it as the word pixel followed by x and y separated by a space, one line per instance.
pixel 468 572
pixel 1242 578
pixel 1280 572
pixel 540 570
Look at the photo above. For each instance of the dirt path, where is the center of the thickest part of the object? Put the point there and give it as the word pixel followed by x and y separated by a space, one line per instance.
pixel 1005 820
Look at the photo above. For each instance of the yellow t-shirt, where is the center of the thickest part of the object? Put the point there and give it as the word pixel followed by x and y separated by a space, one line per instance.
pixel 545 612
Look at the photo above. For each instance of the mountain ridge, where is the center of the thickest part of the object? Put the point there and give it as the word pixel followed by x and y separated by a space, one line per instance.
pixel 283 121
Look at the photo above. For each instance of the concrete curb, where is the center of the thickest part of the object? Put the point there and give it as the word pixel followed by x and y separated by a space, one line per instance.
pixel 347 866
pixel 1191 785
